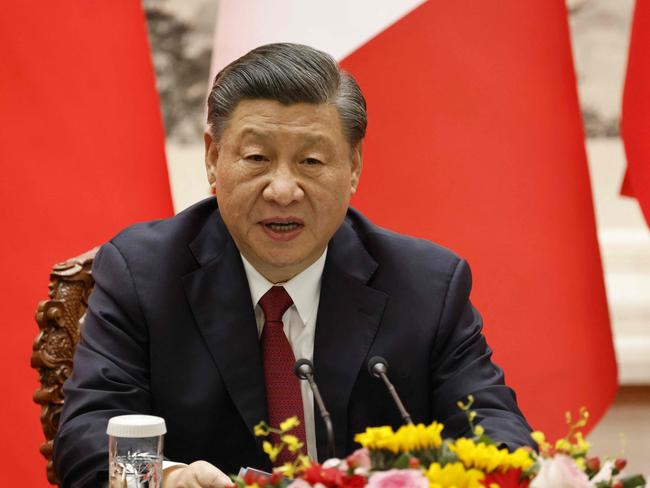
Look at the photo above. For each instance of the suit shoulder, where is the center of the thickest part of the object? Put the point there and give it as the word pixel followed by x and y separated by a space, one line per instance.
pixel 161 233
pixel 409 265
pixel 185 224
pixel 383 243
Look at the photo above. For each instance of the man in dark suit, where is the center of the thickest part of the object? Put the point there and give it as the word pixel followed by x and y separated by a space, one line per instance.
pixel 179 324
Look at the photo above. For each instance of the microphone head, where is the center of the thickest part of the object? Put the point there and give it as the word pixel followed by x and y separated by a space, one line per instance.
pixel 377 365
pixel 303 368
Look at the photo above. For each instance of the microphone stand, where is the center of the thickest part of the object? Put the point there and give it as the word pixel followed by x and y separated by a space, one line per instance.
pixel 378 367
pixel 304 370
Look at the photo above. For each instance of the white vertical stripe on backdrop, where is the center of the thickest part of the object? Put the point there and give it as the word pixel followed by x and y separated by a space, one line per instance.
pixel 335 26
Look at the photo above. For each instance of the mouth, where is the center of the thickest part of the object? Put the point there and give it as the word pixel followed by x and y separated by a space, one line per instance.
pixel 282 228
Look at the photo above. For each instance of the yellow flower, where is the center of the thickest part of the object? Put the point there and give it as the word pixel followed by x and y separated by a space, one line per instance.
pixel 520 458
pixel 434 431
pixel 303 461
pixel 271 450
pixel 414 437
pixel 563 445
pixel 489 457
pixel 261 429
pixel 466 406
pixel 407 438
pixel 580 446
pixel 540 438
pixel 453 475
pixel 478 455
pixel 292 442
pixel 289 424
pixel 373 437
pixel 287 469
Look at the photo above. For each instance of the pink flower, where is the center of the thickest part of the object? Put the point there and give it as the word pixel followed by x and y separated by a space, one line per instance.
pixel 359 459
pixel 560 471
pixel 398 478
pixel 299 484
pixel 303 484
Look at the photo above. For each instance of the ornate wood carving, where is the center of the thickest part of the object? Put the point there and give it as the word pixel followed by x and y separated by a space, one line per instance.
pixel 59 320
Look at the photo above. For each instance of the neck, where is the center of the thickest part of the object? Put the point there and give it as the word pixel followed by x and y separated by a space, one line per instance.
pixel 282 274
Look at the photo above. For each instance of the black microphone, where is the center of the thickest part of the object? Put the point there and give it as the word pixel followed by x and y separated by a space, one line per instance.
pixel 304 370
pixel 378 367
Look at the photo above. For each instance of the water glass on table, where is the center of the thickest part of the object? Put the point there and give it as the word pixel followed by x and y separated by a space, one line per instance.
pixel 135 451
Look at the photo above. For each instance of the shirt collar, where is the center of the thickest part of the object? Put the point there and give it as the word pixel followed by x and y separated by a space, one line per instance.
pixel 304 288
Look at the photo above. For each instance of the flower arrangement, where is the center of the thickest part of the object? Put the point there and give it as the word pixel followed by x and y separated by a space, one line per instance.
pixel 417 456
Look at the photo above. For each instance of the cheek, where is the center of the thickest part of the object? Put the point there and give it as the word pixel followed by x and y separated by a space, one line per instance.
pixel 338 187
pixel 229 181
pixel 330 199
pixel 237 199
pixel 225 179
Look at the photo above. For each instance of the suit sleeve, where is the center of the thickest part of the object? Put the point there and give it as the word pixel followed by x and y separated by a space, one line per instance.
pixel 110 373
pixel 461 365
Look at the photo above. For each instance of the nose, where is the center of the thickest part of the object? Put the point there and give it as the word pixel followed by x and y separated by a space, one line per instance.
pixel 283 187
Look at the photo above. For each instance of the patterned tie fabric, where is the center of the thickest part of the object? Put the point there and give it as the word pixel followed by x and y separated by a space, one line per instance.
pixel 282 387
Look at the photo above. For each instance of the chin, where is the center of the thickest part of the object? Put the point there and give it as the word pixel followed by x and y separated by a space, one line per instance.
pixel 286 261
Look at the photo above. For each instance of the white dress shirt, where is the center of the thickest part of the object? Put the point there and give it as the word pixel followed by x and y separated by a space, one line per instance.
pixel 299 324
pixel 299 327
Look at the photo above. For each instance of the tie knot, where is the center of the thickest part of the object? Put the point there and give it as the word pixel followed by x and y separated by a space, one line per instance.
pixel 274 303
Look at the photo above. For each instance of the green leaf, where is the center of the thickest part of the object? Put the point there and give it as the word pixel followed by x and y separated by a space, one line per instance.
pixel 446 456
pixel 485 439
pixel 402 462
pixel 636 481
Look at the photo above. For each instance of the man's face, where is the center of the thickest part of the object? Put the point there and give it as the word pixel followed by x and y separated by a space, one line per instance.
pixel 283 176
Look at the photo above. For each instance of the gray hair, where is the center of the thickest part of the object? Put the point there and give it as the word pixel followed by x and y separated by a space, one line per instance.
pixel 288 73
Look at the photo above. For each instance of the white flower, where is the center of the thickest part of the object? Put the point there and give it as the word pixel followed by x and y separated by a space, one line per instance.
pixel 331 463
pixel 605 473
pixel 560 471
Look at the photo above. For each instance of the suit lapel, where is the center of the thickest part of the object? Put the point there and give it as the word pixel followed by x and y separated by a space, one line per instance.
pixel 219 296
pixel 349 313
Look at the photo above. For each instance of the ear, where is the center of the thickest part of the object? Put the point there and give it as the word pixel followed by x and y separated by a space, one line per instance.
pixel 357 164
pixel 211 156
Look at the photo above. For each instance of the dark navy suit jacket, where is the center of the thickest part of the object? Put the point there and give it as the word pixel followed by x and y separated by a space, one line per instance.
pixel 170 331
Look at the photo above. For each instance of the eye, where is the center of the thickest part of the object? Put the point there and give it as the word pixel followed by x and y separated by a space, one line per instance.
pixel 257 158
pixel 312 161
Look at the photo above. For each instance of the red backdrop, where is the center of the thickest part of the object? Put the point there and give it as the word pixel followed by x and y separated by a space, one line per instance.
pixel 82 155
pixel 635 118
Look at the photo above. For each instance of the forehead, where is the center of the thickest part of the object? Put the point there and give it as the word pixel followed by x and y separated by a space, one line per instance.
pixel 269 118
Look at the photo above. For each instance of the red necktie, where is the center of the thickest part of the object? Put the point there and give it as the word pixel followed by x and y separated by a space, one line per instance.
pixel 283 395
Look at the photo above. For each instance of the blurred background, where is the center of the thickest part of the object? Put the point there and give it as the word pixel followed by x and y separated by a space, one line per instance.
pixel 181 37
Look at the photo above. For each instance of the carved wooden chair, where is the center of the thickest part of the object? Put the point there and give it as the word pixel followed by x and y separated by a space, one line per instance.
pixel 59 319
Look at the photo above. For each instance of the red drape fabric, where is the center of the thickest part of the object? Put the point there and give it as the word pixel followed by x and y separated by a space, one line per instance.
pixel 635 119
pixel 82 155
